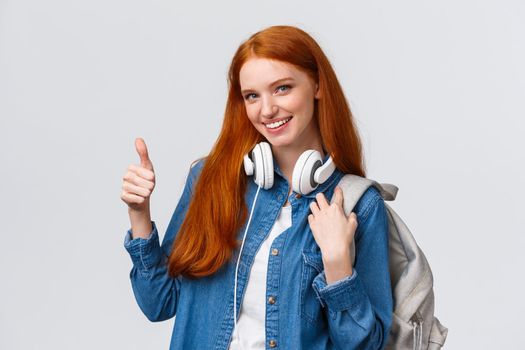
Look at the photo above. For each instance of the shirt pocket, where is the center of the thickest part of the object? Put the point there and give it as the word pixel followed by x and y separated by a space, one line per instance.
pixel 310 304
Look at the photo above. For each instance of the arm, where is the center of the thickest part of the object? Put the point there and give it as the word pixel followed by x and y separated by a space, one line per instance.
pixel 155 292
pixel 359 307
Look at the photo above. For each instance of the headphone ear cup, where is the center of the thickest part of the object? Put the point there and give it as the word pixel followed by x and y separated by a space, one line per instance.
pixel 262 168
pixel 303 172
pixel 267 158
pixel 249 165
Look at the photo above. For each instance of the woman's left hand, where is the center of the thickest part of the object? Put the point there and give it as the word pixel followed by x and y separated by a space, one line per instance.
pixel 332 230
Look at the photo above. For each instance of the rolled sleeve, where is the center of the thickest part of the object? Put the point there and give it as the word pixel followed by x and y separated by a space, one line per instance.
pixel 340 295
pixel 145 253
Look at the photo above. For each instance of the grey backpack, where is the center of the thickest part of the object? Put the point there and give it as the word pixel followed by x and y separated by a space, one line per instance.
pixel 414 325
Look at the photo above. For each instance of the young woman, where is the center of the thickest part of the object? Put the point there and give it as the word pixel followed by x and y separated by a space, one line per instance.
pixel 259 230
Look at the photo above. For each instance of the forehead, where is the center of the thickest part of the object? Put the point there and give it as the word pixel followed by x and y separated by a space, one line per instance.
pixel 262 72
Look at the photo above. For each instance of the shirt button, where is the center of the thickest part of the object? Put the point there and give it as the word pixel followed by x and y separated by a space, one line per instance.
pixel 271 300
pixel 280 197
pixel 275 251
pixel 272 343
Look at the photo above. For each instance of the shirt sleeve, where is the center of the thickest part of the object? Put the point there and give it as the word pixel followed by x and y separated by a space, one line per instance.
pixel 155 292
pixel 359 307
pixel 144 252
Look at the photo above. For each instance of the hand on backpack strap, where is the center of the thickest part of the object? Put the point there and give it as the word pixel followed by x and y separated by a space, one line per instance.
pixel 334 233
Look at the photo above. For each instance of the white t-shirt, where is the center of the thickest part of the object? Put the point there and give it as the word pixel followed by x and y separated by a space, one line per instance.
pixel 252 317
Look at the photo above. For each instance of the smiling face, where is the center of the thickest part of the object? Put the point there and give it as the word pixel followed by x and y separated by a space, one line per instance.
pixel 274 93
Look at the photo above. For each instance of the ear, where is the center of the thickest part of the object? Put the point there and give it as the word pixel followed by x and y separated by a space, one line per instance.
pixel 317 92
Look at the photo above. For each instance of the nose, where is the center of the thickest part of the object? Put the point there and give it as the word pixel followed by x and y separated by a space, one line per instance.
pixel 269 109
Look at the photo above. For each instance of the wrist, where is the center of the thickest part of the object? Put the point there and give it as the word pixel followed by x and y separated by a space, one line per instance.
pixel 336 256
pixel 337 266
pixel 139 213
pixel 141 225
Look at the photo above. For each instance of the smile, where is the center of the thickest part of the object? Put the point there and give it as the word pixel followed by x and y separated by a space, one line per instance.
pixel 278 124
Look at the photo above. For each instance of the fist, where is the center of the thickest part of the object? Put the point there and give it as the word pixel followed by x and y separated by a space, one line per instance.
pixel 139 180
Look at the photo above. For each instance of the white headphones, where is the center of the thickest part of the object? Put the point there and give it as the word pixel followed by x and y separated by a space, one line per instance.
pixel 308 172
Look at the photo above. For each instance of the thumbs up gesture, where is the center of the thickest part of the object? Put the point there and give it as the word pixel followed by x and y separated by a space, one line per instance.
pixel 139 180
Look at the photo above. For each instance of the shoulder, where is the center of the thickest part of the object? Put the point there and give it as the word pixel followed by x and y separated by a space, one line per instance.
pixel 194 172
pixel 372 217
pixel 196 167
pixel 370 201
pixel 197 164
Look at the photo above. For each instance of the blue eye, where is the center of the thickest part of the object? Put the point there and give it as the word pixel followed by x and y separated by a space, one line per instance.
pixel 284 86
pixel 280 88
pixel 248 96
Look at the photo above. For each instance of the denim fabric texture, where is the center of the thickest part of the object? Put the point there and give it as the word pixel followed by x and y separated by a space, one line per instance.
pixel 305 313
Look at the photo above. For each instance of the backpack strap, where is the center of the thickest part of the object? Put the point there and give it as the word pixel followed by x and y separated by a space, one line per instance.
pixel 354 187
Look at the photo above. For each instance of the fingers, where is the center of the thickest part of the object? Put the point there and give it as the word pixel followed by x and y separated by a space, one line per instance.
pixel 142 172
pixel 133 201
pixel 321 201
pixel 310 219
pixel 138 180
pixel 136 190
pixel 352 219
pixel 314 208
pixel 338 196
pixel 139 176
pixel 142 150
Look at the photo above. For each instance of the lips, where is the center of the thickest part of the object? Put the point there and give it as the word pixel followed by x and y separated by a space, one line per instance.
pixel 278 120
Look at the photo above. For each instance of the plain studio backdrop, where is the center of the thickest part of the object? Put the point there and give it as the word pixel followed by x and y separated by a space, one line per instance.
pixel 437 89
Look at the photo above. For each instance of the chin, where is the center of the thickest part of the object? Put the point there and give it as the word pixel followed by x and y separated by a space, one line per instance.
pixel 283 140
pixel 279 141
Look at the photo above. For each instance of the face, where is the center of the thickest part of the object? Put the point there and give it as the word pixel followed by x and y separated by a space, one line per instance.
pixel 279 101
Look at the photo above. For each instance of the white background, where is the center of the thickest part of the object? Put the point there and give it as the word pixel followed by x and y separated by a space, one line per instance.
pixel 437 88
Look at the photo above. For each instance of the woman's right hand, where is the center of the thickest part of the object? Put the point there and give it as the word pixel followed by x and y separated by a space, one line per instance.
pixel 139 181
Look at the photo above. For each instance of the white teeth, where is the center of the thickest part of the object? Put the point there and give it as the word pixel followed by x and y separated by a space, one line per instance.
pixel 277 124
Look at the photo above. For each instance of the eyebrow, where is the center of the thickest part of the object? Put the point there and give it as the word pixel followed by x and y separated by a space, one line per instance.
pixel 272 84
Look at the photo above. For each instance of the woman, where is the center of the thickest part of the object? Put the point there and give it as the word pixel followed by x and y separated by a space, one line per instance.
pixel 293 285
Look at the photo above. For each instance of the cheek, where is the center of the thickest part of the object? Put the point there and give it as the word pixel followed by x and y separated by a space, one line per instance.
pixel 297 104
pixel 252 113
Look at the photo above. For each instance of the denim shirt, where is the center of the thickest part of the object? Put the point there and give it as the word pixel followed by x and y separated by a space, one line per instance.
pixel 304 313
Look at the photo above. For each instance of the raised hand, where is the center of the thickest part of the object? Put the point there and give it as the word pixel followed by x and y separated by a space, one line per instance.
pixel 139 180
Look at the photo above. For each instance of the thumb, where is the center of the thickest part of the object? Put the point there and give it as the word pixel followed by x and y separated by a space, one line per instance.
pixel 142 150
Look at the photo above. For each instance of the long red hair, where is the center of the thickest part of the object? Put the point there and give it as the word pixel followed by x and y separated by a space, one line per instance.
pixel 207 237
